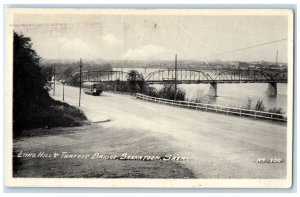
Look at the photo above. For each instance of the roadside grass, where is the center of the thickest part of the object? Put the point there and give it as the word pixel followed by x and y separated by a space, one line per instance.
pixel 54 114
pixel 94 138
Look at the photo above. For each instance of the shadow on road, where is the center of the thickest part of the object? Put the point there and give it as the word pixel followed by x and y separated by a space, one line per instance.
pixel 103 121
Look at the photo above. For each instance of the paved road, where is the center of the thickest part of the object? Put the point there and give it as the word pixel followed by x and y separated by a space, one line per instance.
pixel 217 146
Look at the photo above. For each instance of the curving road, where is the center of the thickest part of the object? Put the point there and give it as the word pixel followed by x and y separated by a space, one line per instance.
pixel 217 146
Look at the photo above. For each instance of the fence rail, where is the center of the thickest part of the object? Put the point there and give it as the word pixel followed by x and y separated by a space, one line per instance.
pixel 216 108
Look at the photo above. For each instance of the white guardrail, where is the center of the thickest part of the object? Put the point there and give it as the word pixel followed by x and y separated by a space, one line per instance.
pixel 216 108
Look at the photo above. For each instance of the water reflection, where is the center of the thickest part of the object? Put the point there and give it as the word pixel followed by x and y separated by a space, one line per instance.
pixel 236 94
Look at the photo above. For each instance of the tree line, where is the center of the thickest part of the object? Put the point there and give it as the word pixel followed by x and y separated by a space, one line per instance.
pixel 32 105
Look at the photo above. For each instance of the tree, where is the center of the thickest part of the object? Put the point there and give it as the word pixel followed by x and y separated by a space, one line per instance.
pixel 47 72
pixel 29 85
pixel 136 81
pixel 260 105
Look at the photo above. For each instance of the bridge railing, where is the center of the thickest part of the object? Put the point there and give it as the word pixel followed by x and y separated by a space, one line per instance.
pixel 216 108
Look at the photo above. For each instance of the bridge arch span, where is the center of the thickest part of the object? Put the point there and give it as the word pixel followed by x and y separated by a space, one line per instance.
pixel 240 76
pixel 183 76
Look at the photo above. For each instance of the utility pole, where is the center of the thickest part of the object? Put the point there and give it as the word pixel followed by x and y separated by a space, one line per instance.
pixel 276 57
pixel 175 77
pixel 63 89
pixel 53 80
pixel 89 73
pixel 80 66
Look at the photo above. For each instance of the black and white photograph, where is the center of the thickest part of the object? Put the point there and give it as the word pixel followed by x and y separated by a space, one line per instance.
pixel 168 98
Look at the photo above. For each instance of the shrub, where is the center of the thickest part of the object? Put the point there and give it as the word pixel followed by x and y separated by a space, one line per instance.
pixel 196 100
pixel 121 86
pixel 259 105
pixel 151 91
pixel 168 92
pixel 276 110
pixel 248 104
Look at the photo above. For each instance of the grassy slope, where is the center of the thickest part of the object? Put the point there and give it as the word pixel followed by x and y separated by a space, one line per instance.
pixel 54 114
pixel 92 139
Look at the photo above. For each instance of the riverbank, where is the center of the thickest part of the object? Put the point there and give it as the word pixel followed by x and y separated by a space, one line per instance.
pixel 268 116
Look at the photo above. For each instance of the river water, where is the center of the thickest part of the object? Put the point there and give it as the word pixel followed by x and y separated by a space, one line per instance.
pixel 233 94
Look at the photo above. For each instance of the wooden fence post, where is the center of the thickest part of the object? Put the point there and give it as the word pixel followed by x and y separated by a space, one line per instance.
pixel 271 117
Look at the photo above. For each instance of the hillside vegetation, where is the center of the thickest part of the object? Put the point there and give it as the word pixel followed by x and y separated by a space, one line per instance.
pixel 32 105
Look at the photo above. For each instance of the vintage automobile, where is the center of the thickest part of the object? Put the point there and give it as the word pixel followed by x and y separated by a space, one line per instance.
pixel 93 88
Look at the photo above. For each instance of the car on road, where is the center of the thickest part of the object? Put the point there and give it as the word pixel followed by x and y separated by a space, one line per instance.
pixel 93 88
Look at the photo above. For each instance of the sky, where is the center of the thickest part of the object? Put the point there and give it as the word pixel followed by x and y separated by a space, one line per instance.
pixel 154 37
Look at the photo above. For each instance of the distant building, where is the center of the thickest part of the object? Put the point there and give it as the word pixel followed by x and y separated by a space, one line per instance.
pixel 275 67
pixel 238 65
pixel 283 66
pixel 252 66
pixel 256 66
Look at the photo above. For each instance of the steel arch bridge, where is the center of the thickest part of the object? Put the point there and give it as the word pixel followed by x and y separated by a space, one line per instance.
pixel 217 76
pixel 186 76
pixel 98 75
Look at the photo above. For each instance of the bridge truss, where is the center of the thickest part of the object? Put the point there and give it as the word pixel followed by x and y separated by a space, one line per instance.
pixel 217 76
pixel 98 75
pixel 188 76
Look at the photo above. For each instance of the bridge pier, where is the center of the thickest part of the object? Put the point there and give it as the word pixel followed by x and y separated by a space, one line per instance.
pixel 213 89
pixel 272 89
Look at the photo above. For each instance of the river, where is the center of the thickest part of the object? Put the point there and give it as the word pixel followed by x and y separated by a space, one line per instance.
pixel 233 94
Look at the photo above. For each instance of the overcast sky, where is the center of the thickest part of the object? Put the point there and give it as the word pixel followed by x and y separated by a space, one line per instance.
pixel 154 37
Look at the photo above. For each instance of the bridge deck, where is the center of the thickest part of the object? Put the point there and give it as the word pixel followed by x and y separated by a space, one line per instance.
pixel 189 76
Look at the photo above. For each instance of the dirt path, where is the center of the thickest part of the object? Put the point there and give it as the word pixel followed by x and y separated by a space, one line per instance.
pixel 217 146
